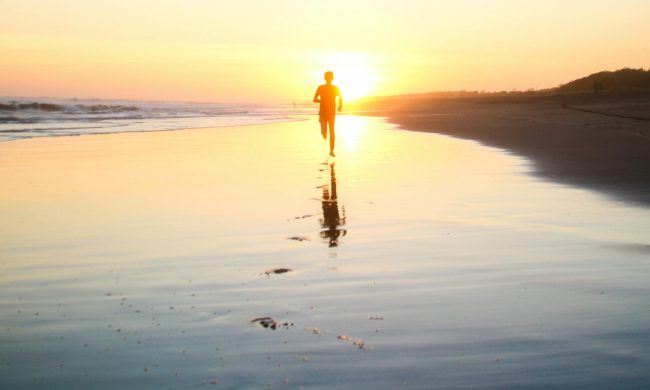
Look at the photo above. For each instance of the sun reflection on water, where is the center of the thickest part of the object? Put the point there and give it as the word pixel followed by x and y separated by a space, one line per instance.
pixel 350 130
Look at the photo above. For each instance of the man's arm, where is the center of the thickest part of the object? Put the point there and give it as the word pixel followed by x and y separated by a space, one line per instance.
pixel 316 95
pixel 338 93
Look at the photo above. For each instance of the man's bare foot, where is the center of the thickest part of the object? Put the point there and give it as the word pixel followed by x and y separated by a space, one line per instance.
pixel 332 154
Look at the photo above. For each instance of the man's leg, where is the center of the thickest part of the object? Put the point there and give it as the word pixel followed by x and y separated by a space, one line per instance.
pixel 323 126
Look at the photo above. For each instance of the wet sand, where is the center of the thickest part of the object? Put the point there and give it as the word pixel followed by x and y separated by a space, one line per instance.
pixel 243 258
pixel 598 141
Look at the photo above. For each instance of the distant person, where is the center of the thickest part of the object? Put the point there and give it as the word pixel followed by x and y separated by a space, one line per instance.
pixel 598 87
pixel 326 95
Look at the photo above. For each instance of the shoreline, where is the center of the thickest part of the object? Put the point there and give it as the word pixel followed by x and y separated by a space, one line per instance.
pixel 599 142
pixel 226 125
pixel 60 117
pixel 606 151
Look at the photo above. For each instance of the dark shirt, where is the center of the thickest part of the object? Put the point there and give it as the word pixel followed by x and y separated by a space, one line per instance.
pixel 328 94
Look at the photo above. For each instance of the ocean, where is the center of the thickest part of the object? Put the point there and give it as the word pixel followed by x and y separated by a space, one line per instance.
pixel 46 117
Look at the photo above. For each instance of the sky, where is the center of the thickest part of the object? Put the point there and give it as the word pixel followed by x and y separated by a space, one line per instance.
pixel 276 51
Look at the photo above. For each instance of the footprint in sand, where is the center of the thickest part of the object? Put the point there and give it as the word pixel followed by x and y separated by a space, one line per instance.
pixel 278 271
pixel 270 323
pixel 298 238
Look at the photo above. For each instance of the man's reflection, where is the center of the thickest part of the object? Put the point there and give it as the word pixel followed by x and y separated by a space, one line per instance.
pixel 331 219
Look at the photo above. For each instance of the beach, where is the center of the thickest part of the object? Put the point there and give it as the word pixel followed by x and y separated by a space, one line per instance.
pixel 242 257
pixel 598 141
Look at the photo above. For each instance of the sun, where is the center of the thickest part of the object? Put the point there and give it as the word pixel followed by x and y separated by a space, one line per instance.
pixel 354 74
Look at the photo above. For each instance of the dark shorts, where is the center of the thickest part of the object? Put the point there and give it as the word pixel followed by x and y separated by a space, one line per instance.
pixel 326 117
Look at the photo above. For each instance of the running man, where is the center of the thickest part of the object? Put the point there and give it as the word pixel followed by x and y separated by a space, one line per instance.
pixel 326 95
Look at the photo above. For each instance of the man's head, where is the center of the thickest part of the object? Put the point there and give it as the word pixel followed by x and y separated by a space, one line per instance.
pixel 329 76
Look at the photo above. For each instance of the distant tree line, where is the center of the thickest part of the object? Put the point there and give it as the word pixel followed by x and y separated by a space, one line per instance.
pixel 626 79
pixel 622 79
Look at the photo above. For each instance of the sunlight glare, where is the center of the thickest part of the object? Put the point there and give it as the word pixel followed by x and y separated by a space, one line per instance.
pixel 350 130
pixel 354 74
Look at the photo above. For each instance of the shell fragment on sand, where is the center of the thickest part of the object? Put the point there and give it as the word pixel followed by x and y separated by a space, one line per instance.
pixel 357 342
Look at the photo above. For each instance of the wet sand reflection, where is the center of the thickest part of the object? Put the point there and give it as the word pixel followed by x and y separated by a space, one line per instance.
pixel 332 219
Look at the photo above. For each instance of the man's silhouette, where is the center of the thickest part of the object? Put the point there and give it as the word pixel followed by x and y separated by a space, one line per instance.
pixel 326 95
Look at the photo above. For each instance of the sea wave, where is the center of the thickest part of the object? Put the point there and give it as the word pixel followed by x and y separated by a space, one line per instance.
pixel 25 118
pixel 76 108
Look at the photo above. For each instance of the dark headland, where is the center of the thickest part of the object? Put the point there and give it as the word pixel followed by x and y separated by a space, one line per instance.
pixel 593 132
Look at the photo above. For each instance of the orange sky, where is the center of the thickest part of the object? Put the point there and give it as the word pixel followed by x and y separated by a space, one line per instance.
pixel 276 51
